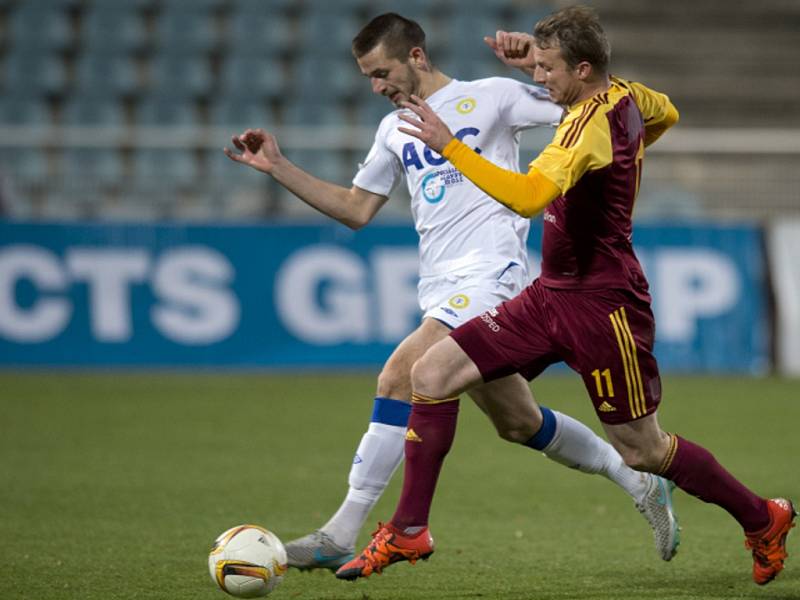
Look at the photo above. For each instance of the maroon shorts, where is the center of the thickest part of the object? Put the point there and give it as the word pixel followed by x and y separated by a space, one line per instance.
pixel 605 335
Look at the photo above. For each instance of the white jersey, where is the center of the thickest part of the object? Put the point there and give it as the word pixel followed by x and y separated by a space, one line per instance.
pixel 461 229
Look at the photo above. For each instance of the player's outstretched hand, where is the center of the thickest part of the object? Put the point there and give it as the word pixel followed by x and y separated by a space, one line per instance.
pixel 257 148
pixel 428 127
pixel 514 49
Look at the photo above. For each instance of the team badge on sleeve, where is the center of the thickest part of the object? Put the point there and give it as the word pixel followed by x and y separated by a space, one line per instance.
pixel 459 301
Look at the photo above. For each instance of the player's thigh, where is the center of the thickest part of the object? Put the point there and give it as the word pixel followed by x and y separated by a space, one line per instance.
pixel 394 380
pixel 444 371
pixel 610 336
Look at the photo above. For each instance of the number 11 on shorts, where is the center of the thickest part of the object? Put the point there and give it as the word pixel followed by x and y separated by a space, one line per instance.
pixel 599 376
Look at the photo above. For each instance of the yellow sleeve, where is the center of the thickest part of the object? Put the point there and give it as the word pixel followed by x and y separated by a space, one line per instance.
pixel 526 195
pixel 658 112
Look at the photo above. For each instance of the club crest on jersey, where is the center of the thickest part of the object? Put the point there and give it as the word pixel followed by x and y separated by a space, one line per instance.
pixel 466 106
pixel 459 301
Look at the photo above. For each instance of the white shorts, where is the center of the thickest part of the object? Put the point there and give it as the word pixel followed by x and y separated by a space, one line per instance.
pixel 455 298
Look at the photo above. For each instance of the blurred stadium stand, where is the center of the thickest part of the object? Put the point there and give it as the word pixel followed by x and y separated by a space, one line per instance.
pixel 117 109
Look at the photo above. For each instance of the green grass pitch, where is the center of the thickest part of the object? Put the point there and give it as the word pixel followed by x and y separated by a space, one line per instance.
pixel 114 486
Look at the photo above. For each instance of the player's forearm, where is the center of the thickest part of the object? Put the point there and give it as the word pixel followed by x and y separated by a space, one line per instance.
pixel 526 195
pixel 328 198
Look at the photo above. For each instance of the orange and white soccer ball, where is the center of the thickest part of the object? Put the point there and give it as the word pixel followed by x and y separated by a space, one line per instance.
pixel 247 561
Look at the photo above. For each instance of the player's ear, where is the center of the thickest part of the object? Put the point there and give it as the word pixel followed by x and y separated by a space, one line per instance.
pixel 418 58
pixel 584 70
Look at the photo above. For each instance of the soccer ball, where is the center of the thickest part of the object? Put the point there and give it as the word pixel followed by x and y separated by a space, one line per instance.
pixel 247 561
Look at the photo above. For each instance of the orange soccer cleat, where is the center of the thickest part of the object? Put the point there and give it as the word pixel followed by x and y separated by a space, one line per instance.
pixel 769 545
pixel 388 546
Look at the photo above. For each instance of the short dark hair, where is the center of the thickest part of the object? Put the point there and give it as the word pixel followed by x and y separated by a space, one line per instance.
pixel 576 30
pixel 397 34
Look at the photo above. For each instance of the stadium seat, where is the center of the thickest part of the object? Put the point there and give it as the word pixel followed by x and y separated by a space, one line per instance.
pixel 42 25
pixel 92 167
pixel 325 164
pixel 240 113
pixel 24 110
pixel 333 29
pixel 107 75
pixel 257 7
pixel 465 31
pixel 34 73
pixel 525 17
pixel 310 112
pixel 171 168
pixel 186 32
pixel 113 28
pixel 259 34
pixel 26 166
pixel 193 6
pixel 92 111
pixel 257 76
pixel 340 6
pixel 187 76
pixel 156 110
pixel 331 79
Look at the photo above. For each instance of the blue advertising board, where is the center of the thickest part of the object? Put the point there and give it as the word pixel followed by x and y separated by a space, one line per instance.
pixel 283 296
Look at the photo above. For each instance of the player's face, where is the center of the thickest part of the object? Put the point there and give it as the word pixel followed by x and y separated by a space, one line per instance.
pixel 389 77
pixel 553 72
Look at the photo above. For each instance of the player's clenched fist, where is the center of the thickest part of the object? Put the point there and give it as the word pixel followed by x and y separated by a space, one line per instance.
pixel 513 48
pixel 257 148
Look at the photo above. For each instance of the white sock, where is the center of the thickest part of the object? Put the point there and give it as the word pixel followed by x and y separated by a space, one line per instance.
pixel 378 456
pixel 578 447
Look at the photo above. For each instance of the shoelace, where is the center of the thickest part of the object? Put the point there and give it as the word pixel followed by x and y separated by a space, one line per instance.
pixel 761 551
pixel 377 549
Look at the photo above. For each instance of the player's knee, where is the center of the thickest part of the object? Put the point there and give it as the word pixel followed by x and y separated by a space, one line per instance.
pixel 639 458
pixel 516 433
pixel 426 378
pixel 394 382
pixel 516 430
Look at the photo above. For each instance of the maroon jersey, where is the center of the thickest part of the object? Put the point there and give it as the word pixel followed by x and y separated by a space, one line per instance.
pixel 596 156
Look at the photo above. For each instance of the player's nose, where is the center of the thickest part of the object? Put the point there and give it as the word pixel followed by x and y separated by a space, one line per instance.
pixel 378 86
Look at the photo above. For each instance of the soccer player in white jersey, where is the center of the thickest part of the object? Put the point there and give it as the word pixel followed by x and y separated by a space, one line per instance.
pixel 472 257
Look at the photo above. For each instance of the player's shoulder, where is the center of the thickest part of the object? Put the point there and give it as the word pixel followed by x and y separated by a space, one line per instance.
pixel 388 123
pixel 635 89
pixel 506 85
pixel 587 117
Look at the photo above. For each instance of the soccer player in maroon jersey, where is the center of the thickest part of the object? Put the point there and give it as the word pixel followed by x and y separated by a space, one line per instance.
pixel 589 308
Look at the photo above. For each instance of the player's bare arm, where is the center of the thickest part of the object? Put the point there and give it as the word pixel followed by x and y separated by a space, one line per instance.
pixel 514 49
pixel 353 207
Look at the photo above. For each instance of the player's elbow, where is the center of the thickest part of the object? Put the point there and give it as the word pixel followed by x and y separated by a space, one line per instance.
pixel 354 223
pixel 528 212
pixel 527 209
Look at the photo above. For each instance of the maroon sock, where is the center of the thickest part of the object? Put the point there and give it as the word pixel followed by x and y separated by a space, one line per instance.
pixel 695 470
pixel 431 429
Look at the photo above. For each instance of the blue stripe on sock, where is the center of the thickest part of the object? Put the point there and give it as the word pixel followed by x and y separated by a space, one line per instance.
pixel 391 412
pixel 545 435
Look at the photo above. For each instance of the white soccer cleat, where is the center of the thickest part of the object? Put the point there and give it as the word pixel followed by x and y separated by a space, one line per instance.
pixel 657 509
pixel 317 550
